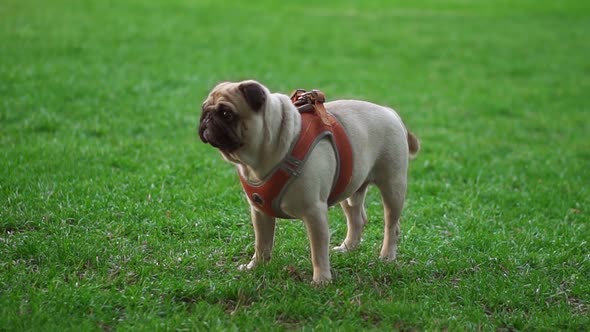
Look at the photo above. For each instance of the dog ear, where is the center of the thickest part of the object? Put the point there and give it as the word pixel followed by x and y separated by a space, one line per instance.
pixel 254 94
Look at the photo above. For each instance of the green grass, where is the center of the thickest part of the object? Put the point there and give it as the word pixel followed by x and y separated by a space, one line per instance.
pixel 113 215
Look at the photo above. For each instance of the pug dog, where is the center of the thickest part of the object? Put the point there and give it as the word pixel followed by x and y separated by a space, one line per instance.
pixel 255 129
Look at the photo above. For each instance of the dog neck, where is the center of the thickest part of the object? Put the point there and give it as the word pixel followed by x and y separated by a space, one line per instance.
pixel 258 158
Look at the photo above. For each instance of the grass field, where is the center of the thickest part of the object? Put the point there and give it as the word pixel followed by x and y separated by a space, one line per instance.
pixel 114 216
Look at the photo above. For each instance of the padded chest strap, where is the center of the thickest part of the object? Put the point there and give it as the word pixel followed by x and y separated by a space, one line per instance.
pixel 316 124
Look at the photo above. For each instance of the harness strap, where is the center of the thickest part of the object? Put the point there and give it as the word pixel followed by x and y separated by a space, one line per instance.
pixel 316 124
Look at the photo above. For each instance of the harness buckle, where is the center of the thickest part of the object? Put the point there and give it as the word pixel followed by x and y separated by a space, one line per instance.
pixel 311 101
pixel 291 165
pixel 302 97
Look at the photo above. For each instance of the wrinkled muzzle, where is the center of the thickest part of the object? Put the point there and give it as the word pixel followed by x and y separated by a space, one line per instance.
pixel 218 133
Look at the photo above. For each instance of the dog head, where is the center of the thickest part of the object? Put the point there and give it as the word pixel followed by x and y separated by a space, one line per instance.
pixel 231 113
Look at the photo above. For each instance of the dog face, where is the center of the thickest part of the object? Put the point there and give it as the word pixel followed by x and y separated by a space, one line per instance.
pixel 230 113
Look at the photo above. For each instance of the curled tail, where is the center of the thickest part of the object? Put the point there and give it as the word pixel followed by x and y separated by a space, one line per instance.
pixel 413 144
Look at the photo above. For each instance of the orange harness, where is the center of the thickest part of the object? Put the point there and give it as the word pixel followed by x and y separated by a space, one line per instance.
pixel 316 124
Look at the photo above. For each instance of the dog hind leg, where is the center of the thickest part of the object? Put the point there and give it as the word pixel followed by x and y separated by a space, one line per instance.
pixel 393 193
pixel 356 219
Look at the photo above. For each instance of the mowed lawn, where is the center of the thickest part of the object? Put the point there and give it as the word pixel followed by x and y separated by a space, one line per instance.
pixel 114 216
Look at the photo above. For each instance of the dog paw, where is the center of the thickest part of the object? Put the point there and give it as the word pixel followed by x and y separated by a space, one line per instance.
pixel 341 248
pixel 388 258
pixel 320 282
pixel 322 278
pixel 247 267
pixel 344 248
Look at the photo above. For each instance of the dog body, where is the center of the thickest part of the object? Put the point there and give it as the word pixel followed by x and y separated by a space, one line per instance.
pixel 255 129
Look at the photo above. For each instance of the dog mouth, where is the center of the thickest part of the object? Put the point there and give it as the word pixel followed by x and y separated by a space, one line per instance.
pixel 218 133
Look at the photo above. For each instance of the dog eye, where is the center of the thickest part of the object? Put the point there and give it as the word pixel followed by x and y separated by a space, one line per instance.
pixel 226 113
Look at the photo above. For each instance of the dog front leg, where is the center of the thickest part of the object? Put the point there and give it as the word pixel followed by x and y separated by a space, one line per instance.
pixel 264 235
pixel 316 223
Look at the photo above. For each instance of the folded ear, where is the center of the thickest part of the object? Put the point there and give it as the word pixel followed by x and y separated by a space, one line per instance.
pixel 254 94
